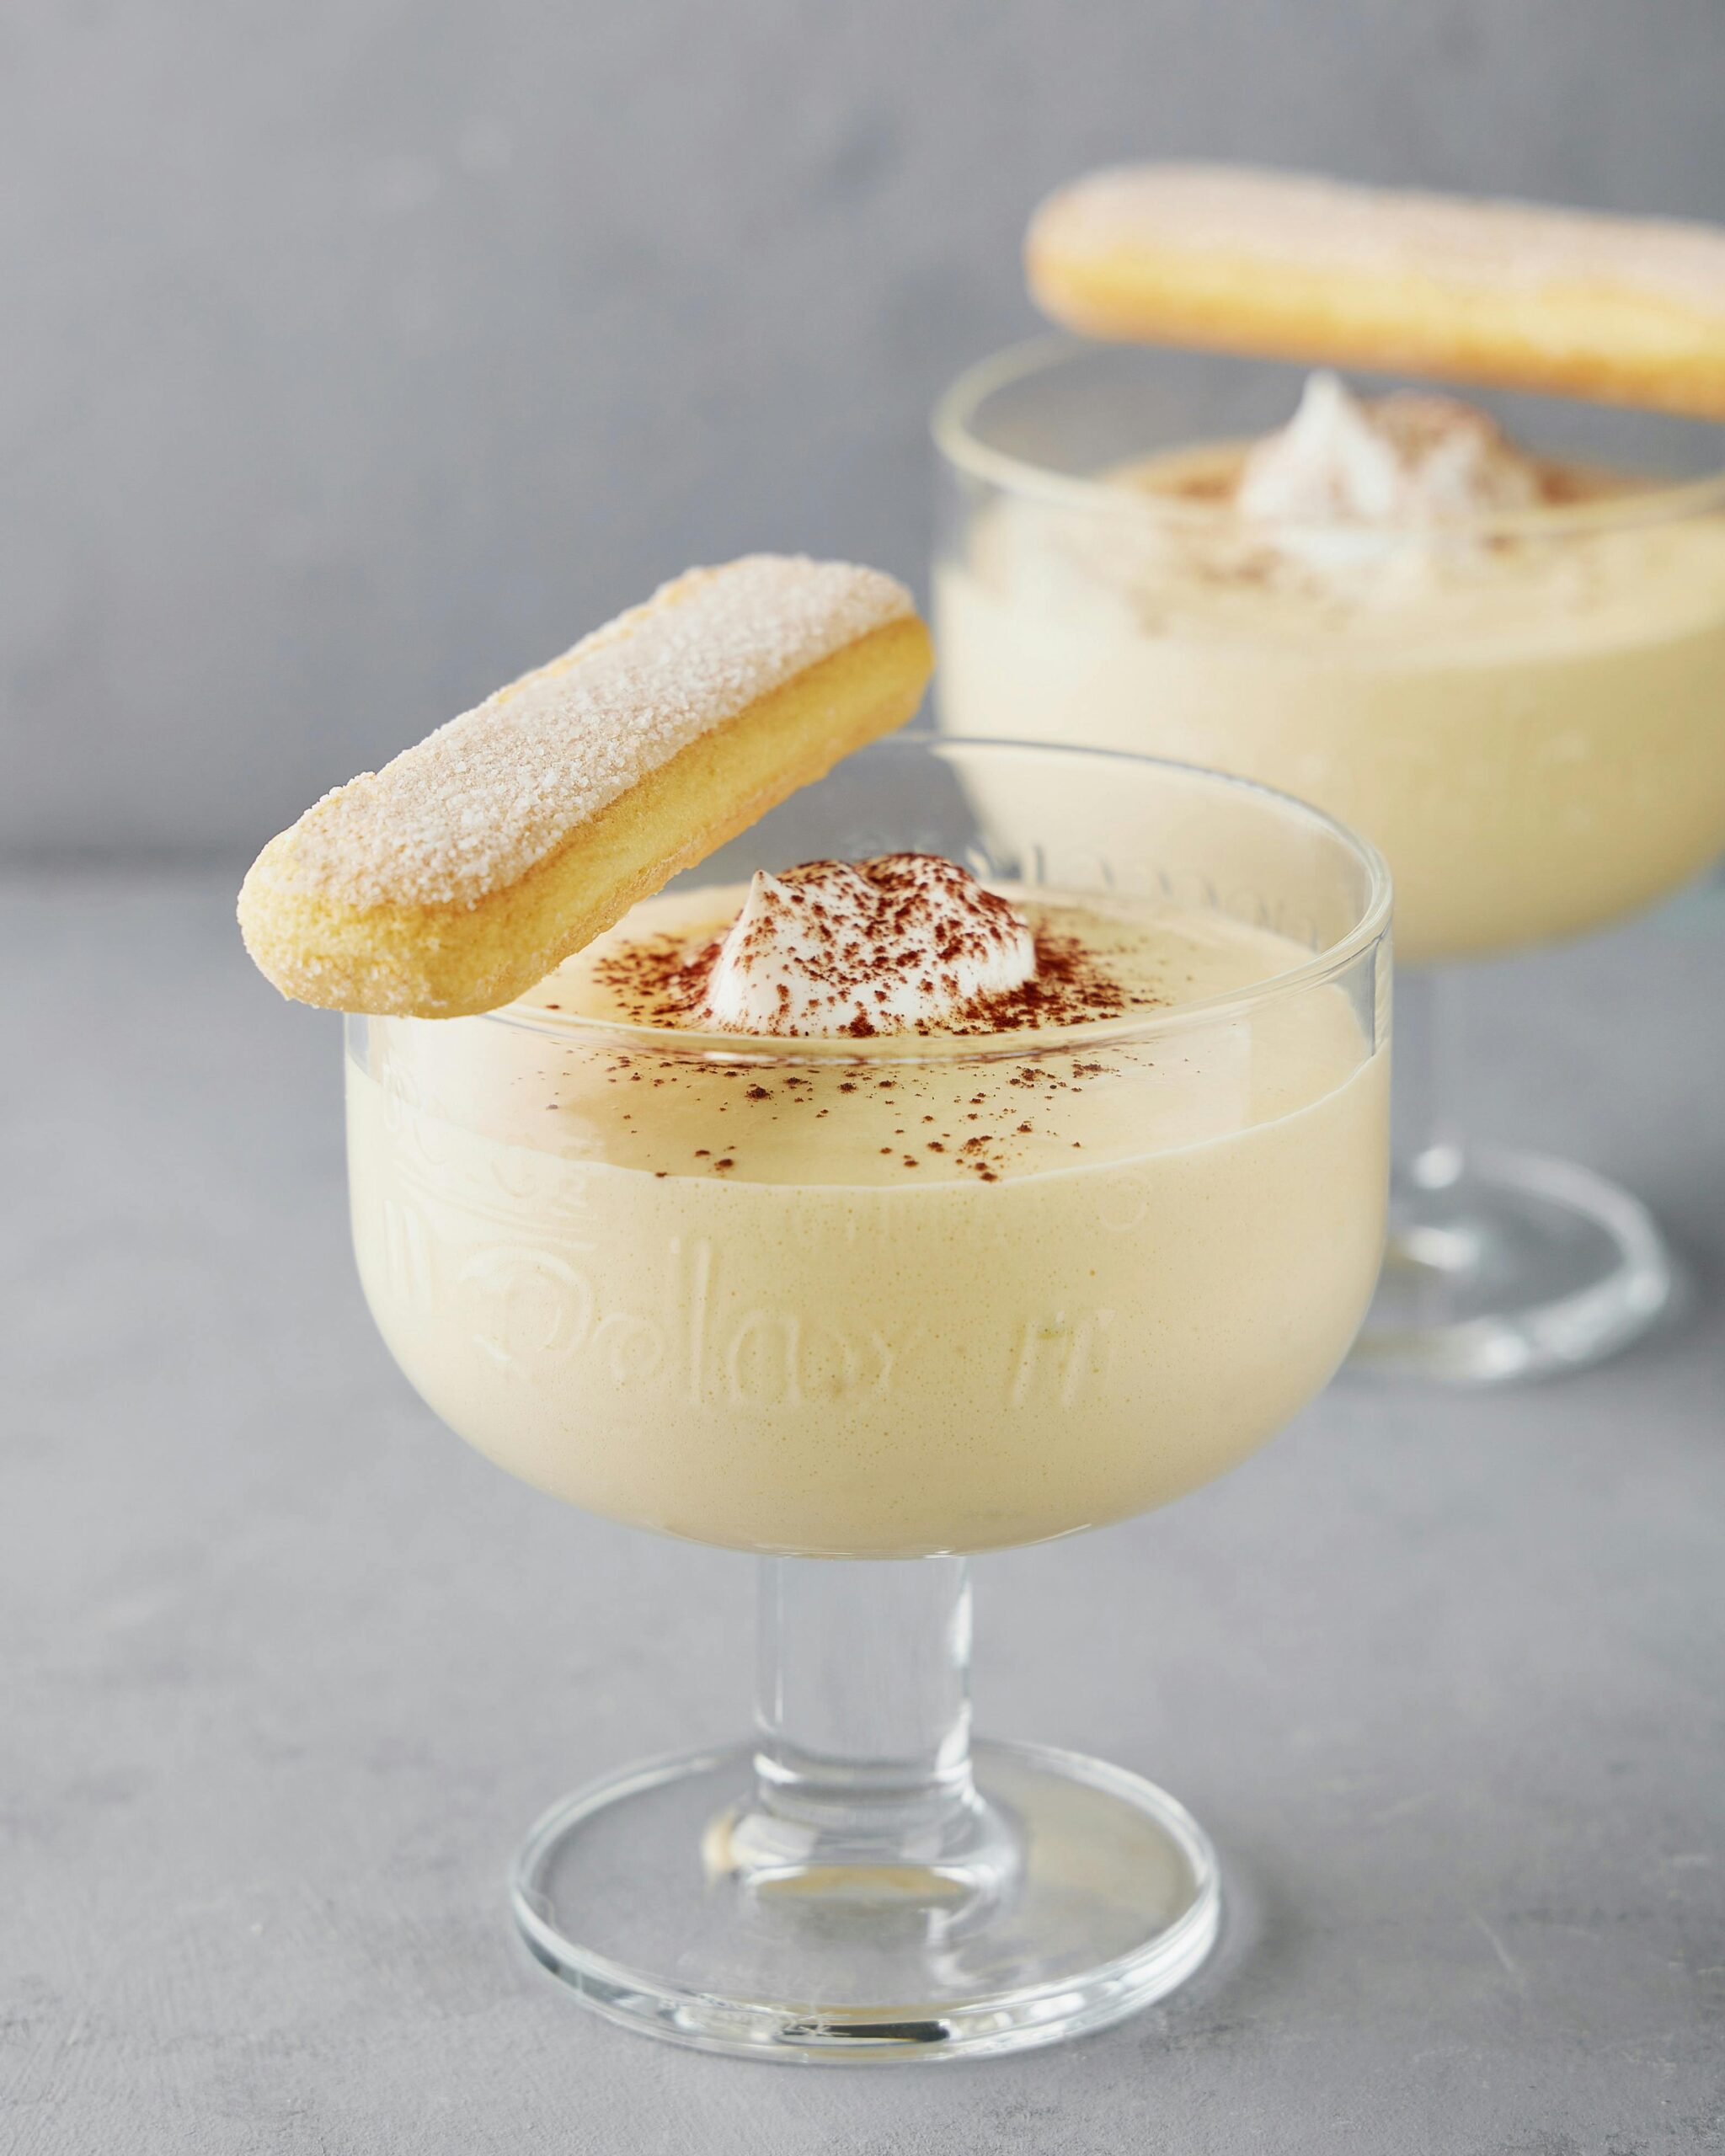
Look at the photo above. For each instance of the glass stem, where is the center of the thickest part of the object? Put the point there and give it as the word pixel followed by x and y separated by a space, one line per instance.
pixel 863 1686
pixel 1428 1148
pixel 862 1761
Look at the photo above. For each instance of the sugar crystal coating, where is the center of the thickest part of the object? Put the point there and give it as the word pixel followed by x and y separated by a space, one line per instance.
pixel 1197 208
pixel 479 801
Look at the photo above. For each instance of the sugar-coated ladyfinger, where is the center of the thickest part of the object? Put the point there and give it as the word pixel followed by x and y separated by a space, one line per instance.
pixel 1622 310
pixel 460 873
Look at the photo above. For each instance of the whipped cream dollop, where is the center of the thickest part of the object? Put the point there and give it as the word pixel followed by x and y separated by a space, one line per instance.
pixel 1405 460
pixel 904 943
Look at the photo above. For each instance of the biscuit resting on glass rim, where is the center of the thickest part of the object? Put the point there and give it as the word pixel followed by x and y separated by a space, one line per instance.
pixel 1229 259
pixel 459 875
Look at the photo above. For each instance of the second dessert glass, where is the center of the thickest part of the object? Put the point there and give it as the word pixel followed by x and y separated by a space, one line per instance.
pixel 822 1357
pixel 1525 712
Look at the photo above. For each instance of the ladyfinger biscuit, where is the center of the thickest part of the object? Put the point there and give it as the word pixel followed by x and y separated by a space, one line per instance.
pixel 1621 310
pixel 460 873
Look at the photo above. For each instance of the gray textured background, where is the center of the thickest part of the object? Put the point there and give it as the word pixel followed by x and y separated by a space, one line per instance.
pixel 358 352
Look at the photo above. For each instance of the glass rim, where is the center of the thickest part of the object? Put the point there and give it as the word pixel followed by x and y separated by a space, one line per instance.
pixel 952 425
pixel 687 1044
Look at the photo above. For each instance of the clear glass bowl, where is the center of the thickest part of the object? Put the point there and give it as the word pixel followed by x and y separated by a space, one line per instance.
pixel 807 1358
pixel 1525 712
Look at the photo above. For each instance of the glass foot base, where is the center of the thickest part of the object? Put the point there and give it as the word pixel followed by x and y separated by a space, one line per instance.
pixel 1502 1265
pixel 633 1892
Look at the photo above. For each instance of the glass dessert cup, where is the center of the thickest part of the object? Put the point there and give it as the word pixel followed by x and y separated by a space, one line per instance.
pixel 864 1379
pixel 1525 712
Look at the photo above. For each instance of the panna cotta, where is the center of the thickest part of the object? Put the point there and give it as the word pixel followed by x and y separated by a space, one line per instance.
pixel 867 1212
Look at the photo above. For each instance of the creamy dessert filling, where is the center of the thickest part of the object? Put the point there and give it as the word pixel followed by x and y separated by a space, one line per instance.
pixel 1023 1110
pixel 1408 459
pixel 1369 503
pixel 1517 699
pixel 877 1298
pixel 904 943
pixel 887 946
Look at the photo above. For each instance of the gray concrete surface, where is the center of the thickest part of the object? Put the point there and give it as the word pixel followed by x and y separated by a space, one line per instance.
pixel 358 354
pixel 287 1670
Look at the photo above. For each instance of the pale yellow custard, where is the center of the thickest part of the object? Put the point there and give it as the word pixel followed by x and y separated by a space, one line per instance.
pixel 1528 722
pixel 838 1302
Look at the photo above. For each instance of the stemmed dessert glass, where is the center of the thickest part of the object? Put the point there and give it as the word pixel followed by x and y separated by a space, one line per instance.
pixel 797 1361
pixel 1525 712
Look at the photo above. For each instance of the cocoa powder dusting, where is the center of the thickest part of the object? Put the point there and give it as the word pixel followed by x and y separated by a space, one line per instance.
pixel 659 980
pixel 662 980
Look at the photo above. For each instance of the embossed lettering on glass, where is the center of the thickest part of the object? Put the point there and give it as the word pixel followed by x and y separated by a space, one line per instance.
pixel 1520 705
pixel 866 1307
